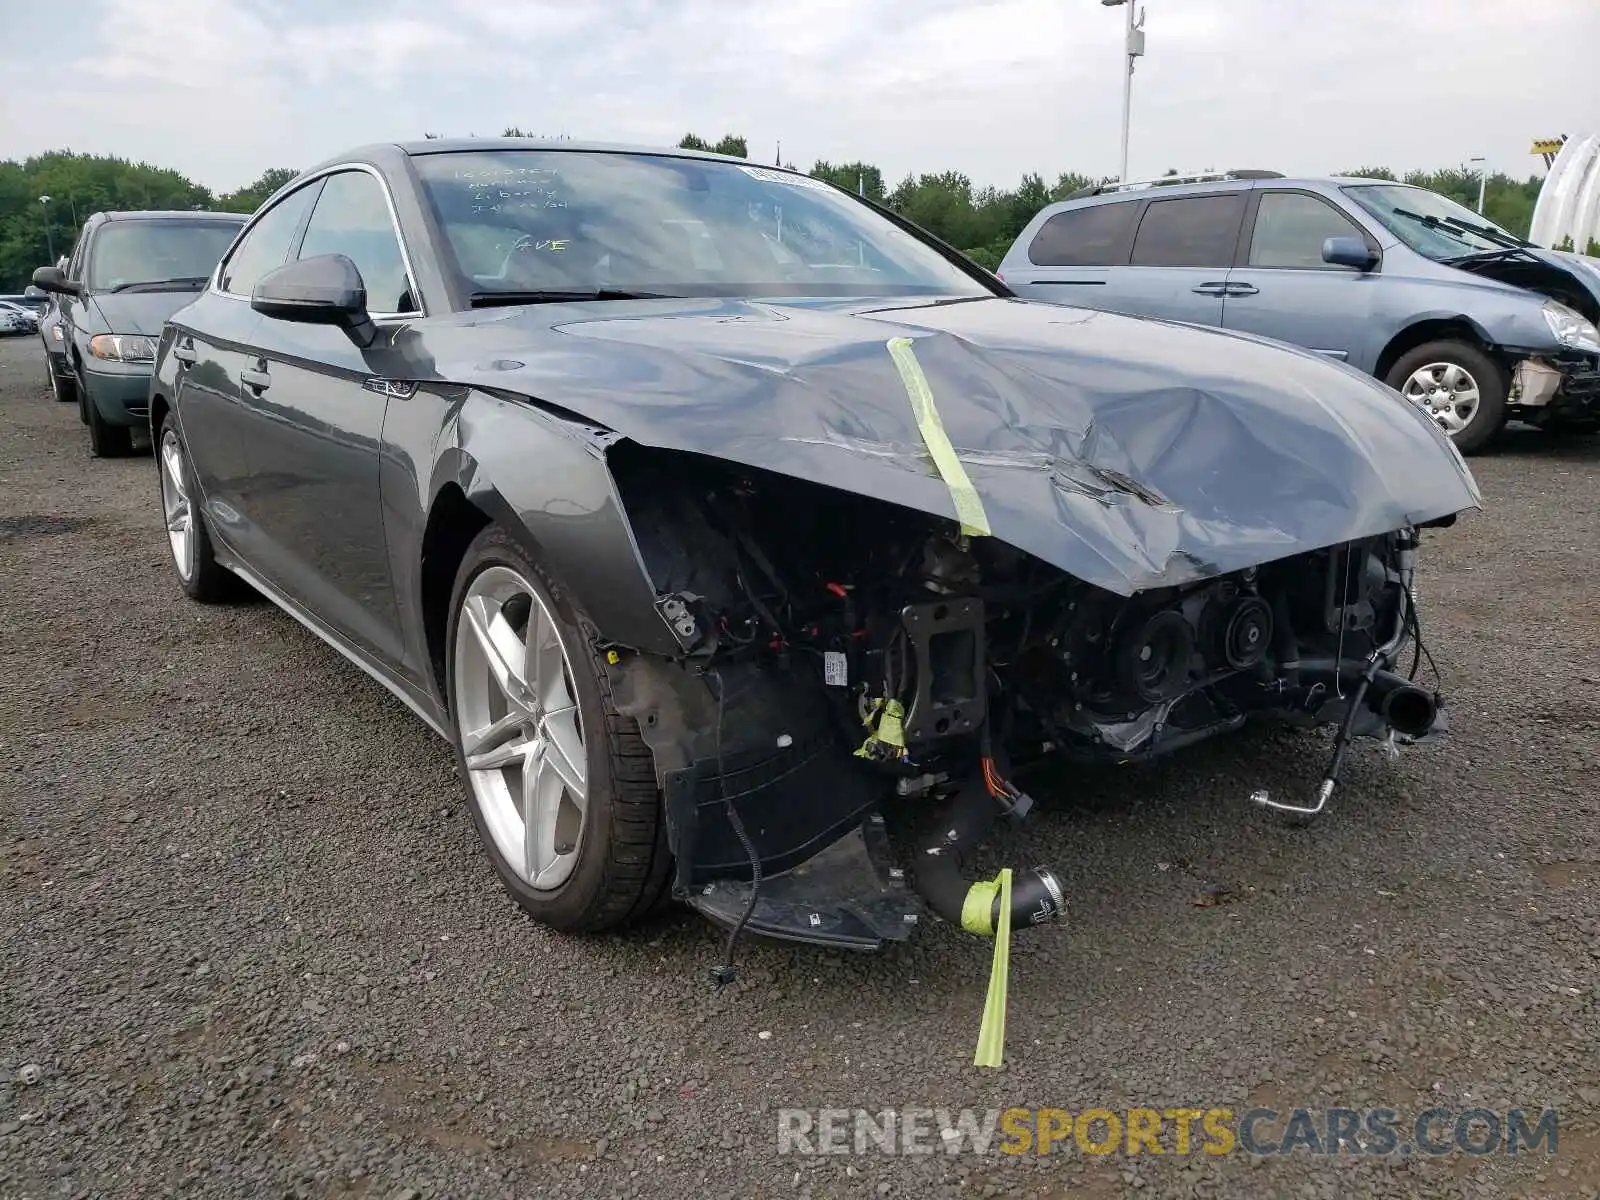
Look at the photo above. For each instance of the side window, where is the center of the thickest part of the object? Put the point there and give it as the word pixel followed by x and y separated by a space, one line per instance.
pixel 1290 230
pixel 1092 236
pixel 266 247
pixel 352 218
pixel 1196 231
pixel 75 264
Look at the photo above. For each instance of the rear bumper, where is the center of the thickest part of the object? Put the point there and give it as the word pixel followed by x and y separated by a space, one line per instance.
pixel 121 397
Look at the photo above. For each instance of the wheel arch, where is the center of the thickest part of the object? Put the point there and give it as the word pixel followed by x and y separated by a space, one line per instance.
pixel 1441 327
pixel 159 408
pixel 553 494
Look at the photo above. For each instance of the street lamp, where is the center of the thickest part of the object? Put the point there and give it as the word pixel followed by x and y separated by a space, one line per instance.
pixel 49 242
pixel 1483 179
pixel 1132 48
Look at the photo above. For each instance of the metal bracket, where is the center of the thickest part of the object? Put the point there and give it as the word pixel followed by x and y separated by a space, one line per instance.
pixel 947 638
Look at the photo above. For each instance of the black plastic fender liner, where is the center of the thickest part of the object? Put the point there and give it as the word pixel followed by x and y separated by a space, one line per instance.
pixel 1036 894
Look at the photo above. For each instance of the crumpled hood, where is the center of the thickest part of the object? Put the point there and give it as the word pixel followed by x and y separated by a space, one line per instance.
pixel 1130 453
pixel 139 312
pixel 1534 269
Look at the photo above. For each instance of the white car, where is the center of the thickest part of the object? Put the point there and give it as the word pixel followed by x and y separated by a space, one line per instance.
pixel 16 319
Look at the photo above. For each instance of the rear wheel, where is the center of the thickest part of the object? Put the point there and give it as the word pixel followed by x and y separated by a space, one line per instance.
pixel 562 789
pixel 202 577
pixel 1456 384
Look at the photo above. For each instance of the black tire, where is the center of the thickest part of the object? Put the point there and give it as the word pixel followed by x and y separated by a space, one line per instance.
pixel 209 582
pixel 105 439
pixel 1490 416
pixel 63 388
pixel 623 862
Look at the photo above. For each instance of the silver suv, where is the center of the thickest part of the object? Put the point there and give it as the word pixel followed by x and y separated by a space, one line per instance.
pixel 1468 321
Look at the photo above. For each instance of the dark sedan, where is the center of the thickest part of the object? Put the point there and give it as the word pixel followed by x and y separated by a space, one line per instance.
pixel 704 508
pixel 127 274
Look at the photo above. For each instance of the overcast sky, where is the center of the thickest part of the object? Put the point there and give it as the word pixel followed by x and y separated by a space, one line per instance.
pixel 222 89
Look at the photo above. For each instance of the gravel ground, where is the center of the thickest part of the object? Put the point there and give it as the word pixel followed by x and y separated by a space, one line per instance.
pixel 251 948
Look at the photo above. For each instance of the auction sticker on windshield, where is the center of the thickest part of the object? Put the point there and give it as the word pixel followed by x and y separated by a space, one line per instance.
pixel 793 179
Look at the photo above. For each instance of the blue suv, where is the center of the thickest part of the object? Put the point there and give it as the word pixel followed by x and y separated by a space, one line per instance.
pixel 1468 321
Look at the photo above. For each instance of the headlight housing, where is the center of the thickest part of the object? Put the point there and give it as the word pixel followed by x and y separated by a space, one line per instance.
pixel 1571 328
pixel 123 347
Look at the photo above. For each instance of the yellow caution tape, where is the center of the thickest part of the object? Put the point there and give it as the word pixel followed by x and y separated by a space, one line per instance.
pixel 891 727
pixel 991 1050
pixel 969 508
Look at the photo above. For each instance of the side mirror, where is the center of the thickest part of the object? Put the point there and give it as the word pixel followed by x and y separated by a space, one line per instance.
pixel 325 290
pixel 1349 252
pixel 53 279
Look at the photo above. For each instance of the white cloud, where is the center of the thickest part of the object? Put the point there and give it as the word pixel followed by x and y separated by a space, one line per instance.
pixel 222 89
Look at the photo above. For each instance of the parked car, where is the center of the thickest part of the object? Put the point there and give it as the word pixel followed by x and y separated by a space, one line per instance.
pixel 15 319
pixel 1468 321
pixel 635 475
pixel 127 274
pixel 33 300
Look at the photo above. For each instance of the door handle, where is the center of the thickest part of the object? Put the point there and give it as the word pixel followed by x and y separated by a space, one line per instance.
pixel 1243 289
pixel 255 379
pixel 184 354
pixel 1211 289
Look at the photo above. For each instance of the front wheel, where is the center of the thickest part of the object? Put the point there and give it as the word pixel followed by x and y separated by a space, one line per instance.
pixel 562 789
pixel 1456 384
pixel 105 439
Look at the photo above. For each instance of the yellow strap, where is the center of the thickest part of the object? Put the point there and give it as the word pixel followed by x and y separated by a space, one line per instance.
pixel 891 728
pixel 969 508
pixel 991 1050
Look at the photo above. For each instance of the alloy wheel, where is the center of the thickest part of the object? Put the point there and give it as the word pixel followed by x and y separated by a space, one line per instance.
pixel 1447 392
pixel 175 504
pixel 520 729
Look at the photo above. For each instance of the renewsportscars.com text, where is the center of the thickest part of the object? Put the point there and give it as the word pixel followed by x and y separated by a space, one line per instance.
pixel 1215 1131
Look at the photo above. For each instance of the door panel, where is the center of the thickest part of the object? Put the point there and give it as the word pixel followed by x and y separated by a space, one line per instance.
pixel 1284 290
pixel 313 496
pixel 208 346
pixel 1178 267
pixel 1069 259
pixel 319 404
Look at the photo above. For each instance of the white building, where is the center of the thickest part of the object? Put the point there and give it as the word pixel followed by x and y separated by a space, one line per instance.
pixel 1569 199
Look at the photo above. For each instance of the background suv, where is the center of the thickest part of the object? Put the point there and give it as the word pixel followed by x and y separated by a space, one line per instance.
pixel 1467 320
pixel 129 272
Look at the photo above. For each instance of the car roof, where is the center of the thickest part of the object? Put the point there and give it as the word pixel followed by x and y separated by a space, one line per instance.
pixel 382 152
pixel 1212 186
pixel 172 214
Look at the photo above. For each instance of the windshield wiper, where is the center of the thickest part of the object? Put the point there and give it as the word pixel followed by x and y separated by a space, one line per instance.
pixel 490 299
pixel 1453 225
pixel 179 281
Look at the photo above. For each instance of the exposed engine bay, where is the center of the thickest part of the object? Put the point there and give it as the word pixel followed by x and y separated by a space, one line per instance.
pixel 837 650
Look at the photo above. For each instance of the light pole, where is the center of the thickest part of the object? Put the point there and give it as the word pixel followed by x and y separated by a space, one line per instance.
pixel 1483 180
pixel 49 242
pixel 1132 48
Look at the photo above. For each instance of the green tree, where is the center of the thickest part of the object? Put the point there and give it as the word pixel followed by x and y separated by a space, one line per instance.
pixel 852 177
pixel 248 199
pixel 78 185
pixel 732 144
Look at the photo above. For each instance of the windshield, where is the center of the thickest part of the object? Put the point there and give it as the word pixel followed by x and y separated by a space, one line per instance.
pixel 1431 224
pixel 567 221
pixel 127 254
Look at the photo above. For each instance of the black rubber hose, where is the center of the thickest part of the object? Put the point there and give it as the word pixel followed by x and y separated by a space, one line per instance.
pixel 1284 647
pixel 1411 710
pixel 1036 894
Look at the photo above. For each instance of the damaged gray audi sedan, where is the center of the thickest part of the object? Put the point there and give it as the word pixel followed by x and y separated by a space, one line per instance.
pixel 704 508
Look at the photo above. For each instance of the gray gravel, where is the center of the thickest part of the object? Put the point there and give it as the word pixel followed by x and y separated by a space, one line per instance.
pixel 250 946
